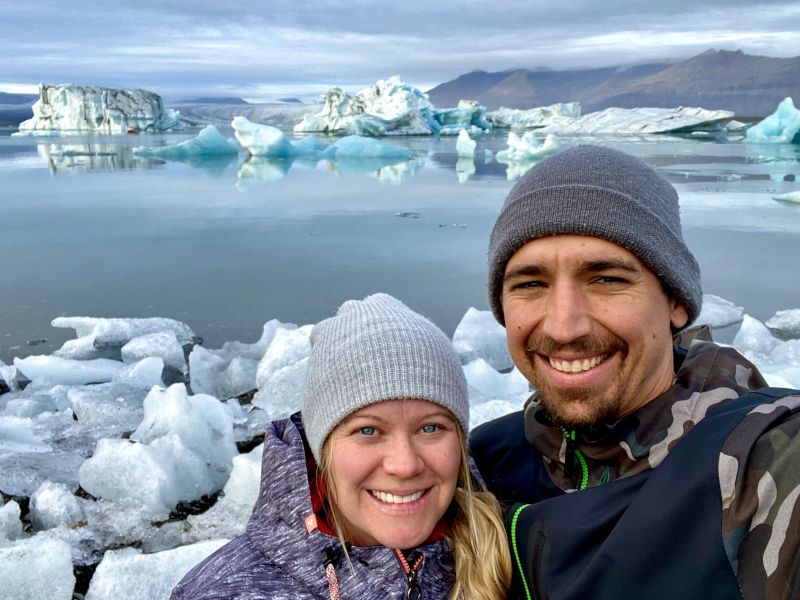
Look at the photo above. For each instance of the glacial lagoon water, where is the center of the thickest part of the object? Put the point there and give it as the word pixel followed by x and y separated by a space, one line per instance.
pixel 87 228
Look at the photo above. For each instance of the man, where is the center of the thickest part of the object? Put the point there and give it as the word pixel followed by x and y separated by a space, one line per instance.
pixel 639 468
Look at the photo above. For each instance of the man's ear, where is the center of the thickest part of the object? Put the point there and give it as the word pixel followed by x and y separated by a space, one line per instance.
pixel 678 317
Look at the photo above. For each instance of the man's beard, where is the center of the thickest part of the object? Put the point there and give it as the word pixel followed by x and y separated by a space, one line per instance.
pixel 578 407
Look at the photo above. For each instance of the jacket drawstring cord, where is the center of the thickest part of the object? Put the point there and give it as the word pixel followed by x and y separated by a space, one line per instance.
pixel 330 559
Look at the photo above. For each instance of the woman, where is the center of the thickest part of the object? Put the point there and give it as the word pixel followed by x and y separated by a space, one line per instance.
pixel 367 493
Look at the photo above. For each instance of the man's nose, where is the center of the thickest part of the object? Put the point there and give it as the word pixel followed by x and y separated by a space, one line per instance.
pixel 567 315
pixel 403 459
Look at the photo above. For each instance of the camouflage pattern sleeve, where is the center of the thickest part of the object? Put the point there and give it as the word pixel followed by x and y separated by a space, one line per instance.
pixel 759 474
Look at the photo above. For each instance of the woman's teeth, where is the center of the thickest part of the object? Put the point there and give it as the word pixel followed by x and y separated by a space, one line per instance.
pixel 393 499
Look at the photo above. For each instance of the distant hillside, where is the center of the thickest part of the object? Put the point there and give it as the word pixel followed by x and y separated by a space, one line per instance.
pixel 6 98
pixel 748 85
pixel 214 101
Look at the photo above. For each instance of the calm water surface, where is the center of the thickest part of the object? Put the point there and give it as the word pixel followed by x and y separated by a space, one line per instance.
pixel 87 228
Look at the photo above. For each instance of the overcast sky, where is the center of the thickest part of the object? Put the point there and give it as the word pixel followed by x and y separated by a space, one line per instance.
pixel 264 50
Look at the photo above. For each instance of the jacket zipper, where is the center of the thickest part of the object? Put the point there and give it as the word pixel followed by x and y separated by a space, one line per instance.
pixel 572 454
pixel 414 590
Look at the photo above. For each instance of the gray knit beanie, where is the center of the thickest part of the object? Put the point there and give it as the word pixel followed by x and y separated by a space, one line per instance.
pixel 597 191
pixel 373 350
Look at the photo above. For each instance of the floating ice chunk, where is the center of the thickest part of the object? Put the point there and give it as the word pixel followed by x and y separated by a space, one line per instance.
pixel 237 378
pixel 637 121
pixel 81 109
pixel 465 145
pixel 8 380
pixel 718 312
pixel 53 370
pixel 181 451
pixel 163 344
pixel 489 384
pixel 788 197
pixel 781 127
pixel 36 568
pixel 105 337
pixel 785 323
pixel 261 140
pixel 204 368
pixel 479 335
pixel 527 147
pixel 356 146
pixel 288 346
pixel 209 142
pixel 10 524
pixel 468 115
pixel 388 107
pixel 129 574
pixel 53 505
pixel 29 406
pixel 229 516
pixel 754 339
pixel 535 117
pixel 21 473
pixel 17 435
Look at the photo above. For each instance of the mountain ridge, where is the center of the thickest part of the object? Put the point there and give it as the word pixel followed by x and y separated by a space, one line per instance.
pixel 748 85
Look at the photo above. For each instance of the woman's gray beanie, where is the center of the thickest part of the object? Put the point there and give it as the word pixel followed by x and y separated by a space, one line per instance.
pixel 373 350
pixel 600 192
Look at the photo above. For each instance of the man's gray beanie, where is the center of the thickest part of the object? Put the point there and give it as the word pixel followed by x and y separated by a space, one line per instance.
pixel 373 350
pixel 600 192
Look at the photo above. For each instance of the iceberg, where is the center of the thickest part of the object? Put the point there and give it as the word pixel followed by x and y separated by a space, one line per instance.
pixel 634 121
pixel 562 112
pixel 785 323
pixel 527 148
pixel 793 197
pixel 781 127
pixel 356 146
pixel 718 312
pixel 87 109
pixel 465 145
pixel 390 107
pixel 209 142
pixel 36 568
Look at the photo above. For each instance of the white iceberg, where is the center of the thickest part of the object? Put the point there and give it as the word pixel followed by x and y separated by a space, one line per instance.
pixel 718 312
pixel 527 148
pixel 52 370
pixel 53 505
pixel 781 127
pixel 634 121
pixel 81 109
pixel 540 116
pixel 785 323
pixel 262 140
pixel 209 142
pixel 390 107
pixel 10 524
pixel 465 145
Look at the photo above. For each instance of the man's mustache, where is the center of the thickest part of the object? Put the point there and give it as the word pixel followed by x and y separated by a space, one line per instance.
pixel 586 346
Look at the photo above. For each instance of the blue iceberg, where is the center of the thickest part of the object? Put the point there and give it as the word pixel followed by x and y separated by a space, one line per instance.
pixel 781 127
pixel 209 142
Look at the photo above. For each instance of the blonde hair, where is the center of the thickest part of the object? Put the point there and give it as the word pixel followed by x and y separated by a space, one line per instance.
pixel 477 536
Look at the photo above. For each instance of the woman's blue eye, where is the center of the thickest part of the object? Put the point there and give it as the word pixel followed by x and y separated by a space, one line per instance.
pixel 367 431
pixel 429 428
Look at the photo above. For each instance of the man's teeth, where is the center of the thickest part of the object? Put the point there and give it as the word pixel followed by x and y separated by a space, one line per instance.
pixel 393 499
pixel 575 366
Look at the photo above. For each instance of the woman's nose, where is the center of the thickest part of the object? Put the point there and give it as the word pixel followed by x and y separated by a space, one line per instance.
pixel 403 459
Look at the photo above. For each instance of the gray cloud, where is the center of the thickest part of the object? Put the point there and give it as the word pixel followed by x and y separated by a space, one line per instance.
pixel 262 50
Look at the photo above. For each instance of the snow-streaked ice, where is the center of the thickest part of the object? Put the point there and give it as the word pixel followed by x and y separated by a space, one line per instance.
pixel 37 568
pixel 80 109
pixel 479 335
pixel 635 121
pixel 54 505
pixel 785 323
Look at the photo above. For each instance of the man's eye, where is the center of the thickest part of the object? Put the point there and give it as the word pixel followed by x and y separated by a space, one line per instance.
pixel 430 428
pixel 610 279
pixel 528 285
pixel 367 431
